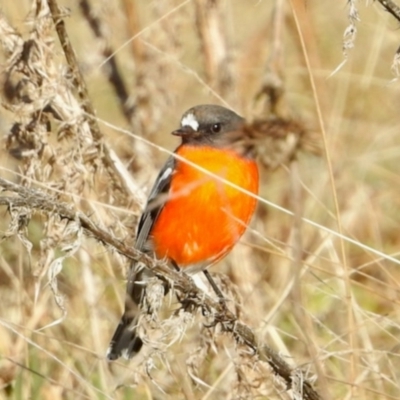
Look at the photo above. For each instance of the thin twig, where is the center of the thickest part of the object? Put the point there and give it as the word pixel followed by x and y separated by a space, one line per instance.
pixel 112 71
pixel 301 317
pixel 352 337
pixel 391 7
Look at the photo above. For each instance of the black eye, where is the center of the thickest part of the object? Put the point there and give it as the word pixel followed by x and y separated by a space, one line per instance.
pixel 216 128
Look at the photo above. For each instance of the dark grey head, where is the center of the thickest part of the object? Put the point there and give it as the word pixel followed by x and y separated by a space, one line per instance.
pixel 208 123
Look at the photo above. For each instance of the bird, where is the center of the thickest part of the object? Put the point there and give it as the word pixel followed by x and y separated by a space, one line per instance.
pixel 193 216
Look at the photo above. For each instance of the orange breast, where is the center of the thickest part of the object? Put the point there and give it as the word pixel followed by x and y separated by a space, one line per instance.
pixel 204 217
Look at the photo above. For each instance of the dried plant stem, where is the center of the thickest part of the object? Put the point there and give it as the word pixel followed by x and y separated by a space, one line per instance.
pixel 107 157
pixel 300 315
pixel 112 71
pixel 39 201
pixel 133 26
pixel 214 45
pixel 141 58
pixel 391 7
pixel 346 270
pixel 271 91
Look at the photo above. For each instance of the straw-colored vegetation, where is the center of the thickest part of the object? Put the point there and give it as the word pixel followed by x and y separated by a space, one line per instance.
pixel 317 275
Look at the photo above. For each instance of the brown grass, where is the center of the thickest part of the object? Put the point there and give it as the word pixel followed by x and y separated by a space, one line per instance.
pixel 317 275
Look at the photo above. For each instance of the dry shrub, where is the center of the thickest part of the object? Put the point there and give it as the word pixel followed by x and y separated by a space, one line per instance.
pixel 318 285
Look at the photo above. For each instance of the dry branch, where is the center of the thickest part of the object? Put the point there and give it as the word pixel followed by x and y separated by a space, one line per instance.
pixel 391 7
pixel 39 201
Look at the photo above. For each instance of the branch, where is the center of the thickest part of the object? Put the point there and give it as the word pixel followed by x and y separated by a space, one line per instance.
pixel 40 201
pixel 391 7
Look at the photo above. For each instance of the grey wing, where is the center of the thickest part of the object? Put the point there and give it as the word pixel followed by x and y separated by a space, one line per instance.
pixel 125 340
pixel 155 202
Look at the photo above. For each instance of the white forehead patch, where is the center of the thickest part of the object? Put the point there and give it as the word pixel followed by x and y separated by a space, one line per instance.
pixel 190 120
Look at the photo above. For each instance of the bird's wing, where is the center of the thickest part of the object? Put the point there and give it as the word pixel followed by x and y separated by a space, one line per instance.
pixel 155 203
pixel 125 340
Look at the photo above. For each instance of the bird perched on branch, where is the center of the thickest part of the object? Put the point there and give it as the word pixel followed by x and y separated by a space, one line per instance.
pixel 199 207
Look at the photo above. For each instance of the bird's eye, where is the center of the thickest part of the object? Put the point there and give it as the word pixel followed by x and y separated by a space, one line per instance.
pixel 216 128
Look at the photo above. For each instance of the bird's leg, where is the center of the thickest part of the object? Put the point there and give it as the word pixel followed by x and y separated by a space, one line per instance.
pixel 216 289
pixel 175 265
pixel 186 303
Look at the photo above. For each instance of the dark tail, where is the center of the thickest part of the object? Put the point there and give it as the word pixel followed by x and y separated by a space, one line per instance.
pixel 125 341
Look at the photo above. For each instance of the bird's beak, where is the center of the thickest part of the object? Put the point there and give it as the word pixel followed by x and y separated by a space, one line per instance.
pixel 185 132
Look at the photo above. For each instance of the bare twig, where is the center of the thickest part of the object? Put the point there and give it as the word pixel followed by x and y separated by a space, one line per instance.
pixel 112 71
pixel 39 201
pixel 391 7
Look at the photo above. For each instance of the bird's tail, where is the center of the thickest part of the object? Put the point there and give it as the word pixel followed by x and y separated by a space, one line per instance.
pixel 125 341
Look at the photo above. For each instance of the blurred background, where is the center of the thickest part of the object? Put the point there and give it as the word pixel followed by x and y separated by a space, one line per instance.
pixel 325 294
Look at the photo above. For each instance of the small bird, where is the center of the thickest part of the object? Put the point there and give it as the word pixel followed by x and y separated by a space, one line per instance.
pixel 192 219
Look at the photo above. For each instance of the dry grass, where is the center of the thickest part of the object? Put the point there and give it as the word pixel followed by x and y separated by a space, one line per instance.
pixel 321 287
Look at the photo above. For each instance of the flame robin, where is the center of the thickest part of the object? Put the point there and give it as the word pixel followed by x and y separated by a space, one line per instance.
pixel 192 219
